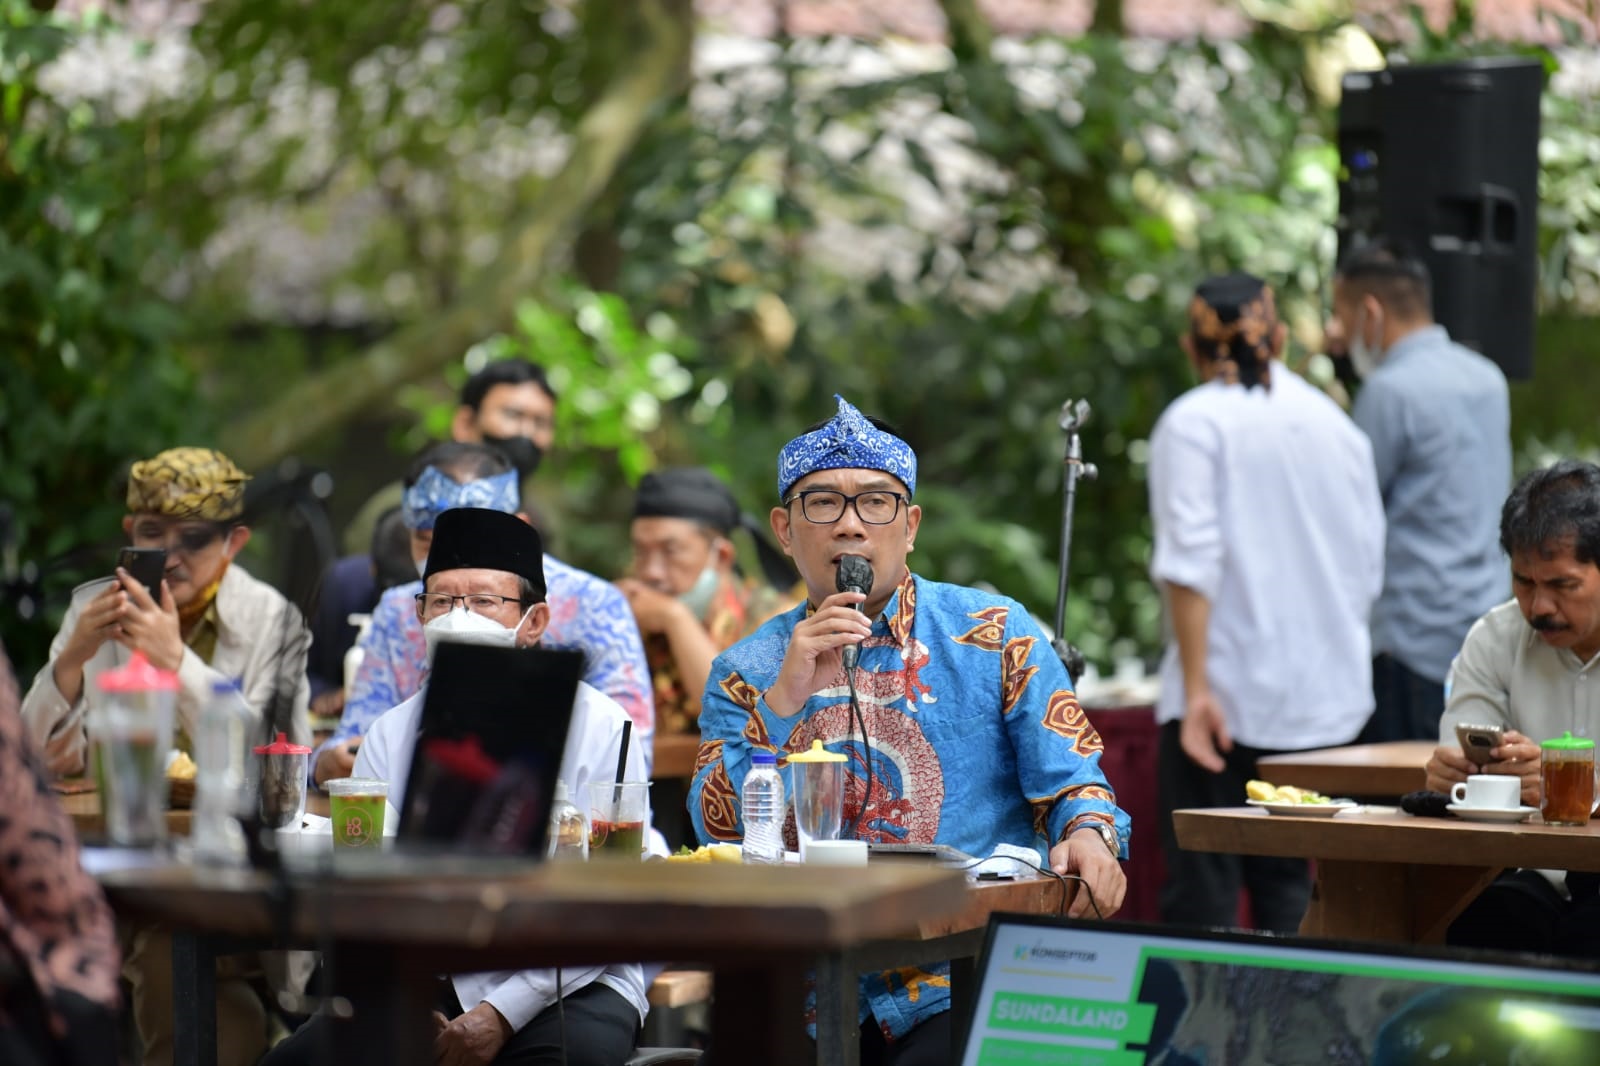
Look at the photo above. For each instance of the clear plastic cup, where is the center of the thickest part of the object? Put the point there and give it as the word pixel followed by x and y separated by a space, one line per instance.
pixel 355 807
pixel 130 730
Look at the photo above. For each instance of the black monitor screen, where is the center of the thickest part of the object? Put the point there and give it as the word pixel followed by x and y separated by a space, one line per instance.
pixel 489 748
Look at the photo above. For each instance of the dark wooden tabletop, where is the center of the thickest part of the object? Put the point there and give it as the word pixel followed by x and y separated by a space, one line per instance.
pixel 1390 769
pixel 1390 836
pixel 560 912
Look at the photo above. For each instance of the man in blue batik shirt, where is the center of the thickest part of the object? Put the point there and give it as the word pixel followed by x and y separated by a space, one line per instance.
pixel 587 614
pixel 976 737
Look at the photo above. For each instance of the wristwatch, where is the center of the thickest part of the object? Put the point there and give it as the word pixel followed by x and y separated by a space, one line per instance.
pixel 1107 834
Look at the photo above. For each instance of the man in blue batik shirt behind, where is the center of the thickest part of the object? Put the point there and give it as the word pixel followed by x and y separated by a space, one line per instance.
pixel 976 737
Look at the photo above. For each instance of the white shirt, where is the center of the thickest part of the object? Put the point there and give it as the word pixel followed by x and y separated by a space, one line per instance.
pixel 593 741
pixel 1266 503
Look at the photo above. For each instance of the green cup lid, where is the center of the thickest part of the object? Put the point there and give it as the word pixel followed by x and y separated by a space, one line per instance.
pixel 1567 742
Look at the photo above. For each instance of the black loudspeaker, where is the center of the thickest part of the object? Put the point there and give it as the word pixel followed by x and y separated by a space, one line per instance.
pixel 1445 158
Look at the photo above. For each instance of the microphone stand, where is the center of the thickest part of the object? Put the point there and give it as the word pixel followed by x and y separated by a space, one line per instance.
pixel 1074 415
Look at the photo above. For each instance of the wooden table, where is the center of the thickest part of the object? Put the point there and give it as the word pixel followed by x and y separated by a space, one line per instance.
pixel 90 821
pixel 955 937
pixel 1384 875
pixel 760 928
pixel 1385 771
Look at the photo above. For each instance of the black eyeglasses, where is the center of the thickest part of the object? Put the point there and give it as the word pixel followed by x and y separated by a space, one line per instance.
pixel 188 541
pixel 824 507
pixel 433 604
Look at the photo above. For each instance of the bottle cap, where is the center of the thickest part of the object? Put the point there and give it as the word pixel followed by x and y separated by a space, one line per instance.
pixel 138 676
pixel 226 686
pixel 281 746
pixel 764 758
pixel 1567 742
pixel 816 753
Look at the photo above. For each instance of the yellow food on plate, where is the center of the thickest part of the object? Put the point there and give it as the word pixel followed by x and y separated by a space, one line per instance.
pixel 182 768
pixel 708 853
pixel 1265 792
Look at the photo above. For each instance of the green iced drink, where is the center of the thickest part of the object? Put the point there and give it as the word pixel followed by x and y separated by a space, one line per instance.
pixel 355 805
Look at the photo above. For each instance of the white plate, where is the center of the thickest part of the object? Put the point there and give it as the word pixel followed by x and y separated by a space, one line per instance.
pixel 1307 810
pixel 1491 814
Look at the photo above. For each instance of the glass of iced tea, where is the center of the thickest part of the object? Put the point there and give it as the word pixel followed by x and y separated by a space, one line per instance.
pixel 1567 775
pixel 619 812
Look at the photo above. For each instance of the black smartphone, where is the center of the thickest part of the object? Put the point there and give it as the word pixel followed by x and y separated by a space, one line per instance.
pixel 1477 741
pixel 147 566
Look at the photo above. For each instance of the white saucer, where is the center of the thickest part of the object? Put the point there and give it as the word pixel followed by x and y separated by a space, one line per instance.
pixel 1491 814
pixel 1307 810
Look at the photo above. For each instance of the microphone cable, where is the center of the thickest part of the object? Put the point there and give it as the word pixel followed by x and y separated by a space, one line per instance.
pixel 859 721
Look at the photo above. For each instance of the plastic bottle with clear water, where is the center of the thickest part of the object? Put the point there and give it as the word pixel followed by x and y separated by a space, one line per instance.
pixel 569 829
pixel 222 739
pixel 762 804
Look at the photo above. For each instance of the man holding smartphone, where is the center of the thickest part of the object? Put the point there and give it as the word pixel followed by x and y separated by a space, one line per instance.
pixel 1525 669
pixel 207 621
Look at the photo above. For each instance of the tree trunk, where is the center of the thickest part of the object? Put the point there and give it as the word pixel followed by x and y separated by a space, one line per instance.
pixel 658 37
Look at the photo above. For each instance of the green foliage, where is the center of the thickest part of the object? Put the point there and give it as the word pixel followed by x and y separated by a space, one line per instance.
pixel 89 379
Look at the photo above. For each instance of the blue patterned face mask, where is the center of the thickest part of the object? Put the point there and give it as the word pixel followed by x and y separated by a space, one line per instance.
pixel 848 441
pixel 437 492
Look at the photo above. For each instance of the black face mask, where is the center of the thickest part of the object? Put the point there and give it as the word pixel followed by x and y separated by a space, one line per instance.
pixel 522 451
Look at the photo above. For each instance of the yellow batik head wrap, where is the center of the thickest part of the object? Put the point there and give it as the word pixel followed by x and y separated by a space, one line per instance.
pixel 188 483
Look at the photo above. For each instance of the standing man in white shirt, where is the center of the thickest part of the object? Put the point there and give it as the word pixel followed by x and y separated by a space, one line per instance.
pixel 485 584
pixel 1269 555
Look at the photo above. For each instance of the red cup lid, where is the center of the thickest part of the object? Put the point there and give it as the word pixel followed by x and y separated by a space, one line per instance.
pixel 281 746
pixel 139 675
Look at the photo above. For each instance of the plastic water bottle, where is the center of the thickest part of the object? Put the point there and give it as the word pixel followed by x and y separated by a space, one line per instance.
pixel 761 801
pixel 356 653
pixel 569 829
pixel 221 741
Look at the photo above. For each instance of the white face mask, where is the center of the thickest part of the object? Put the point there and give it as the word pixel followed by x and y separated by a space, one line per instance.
pixel 461 626
pixel 698 597
pixel 1363 356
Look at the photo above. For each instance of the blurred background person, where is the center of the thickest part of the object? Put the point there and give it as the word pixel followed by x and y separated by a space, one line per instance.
pixel 685 588
pixel 1269 553
pixel 587 614
pixel 351 586
pixel 214 622
pixel 1439 419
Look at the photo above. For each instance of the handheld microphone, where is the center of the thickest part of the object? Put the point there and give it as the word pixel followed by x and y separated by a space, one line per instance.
pixel 854 575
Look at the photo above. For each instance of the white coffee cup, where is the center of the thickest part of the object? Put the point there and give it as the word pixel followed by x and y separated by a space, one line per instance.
pixel 1500 791
pixel 836 853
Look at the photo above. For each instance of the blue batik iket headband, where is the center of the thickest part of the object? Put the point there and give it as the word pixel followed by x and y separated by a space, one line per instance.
pixel 848 441
pixel 437 492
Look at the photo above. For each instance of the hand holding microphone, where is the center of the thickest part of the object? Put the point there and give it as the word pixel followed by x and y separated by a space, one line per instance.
pixel 854 575
pixel 826 640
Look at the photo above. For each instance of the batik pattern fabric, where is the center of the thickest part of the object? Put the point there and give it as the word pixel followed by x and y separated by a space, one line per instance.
pixel 737 609
pixel 847 440
pixel 977 740
pixel 193 483
pixel 586 614
pixel 55 926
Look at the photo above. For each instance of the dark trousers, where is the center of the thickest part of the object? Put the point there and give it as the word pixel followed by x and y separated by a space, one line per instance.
pixel 1521 911
pixel 929 1044
pixel 1202 888
pixel 1409 705
pixel 602 1028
